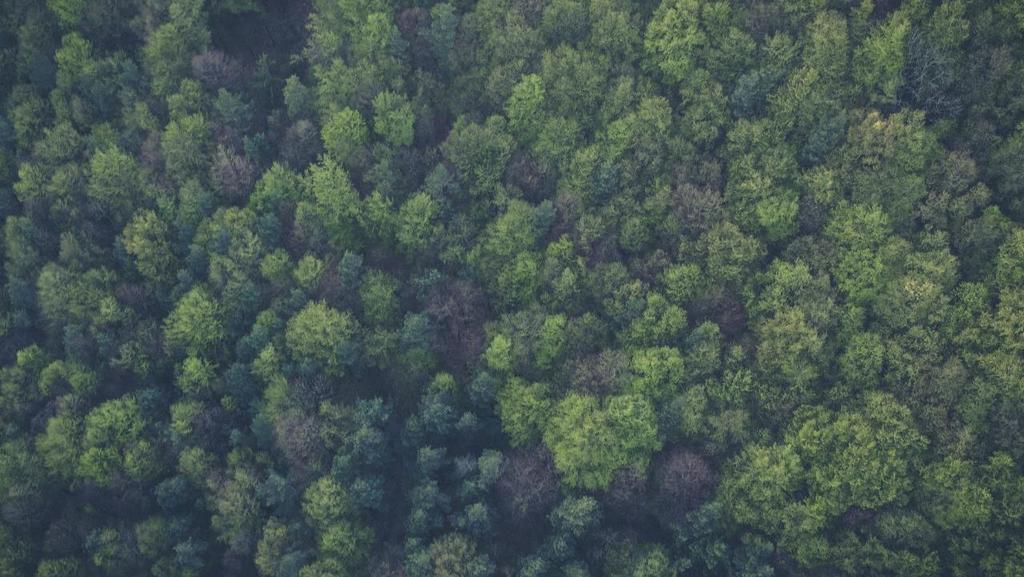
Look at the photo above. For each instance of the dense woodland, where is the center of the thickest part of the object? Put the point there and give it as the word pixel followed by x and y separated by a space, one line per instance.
pixel 511 288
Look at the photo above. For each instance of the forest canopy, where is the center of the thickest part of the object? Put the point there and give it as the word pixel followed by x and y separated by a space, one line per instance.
pixel 511 288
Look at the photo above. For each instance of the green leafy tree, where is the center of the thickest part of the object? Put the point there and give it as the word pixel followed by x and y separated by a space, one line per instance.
pixel 524 409
pixel 146 238
pixel 417 228
pixel 760 484
pixel 524 108
pixel 344 134
pixel 887 158
pixel 169 49
pixel 113 443
pixel 393 118
pixel 68 12
pixel 878 62
pixel 861 233
pixel 862 361
pixel 660 323
pixel 115 182
pixel 590 441
pixel 308 272
pixel 479 153
pixel 194 326
pixel 237 509
pixel 674 37
pixel 335 203
pixel 326 503
pixel 954 497
pixel 551 341
pixel 323 335
pixel 379 296
pixel 729 253
pixel 60 445
pixel 187 148
pixel 455 555
pixel 504 257
pixel 790 349
pixel 658 373
pixel 881 442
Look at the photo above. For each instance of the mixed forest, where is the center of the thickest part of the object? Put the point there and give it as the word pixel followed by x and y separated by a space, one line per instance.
pixel 511 288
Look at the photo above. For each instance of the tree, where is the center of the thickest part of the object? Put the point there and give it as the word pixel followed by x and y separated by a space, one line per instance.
pixel 592 440
pixel 454 555
pixel 344 134
pixel 682 282
pixel 551 341
pixel 761 169
pixel 861 363
pixel 14 553
pixel 881 442
pixel 759 484
pixel 344 548
pixel 729 253
pixel 861 233
pixel 277 188
pixel 639 560
pixel 22 477
pixel 194 326
pixel 790 350
pixel 186 147
pixel 524 108
pixel 674 36
pixel 658 373
pixel 335 203
pixel 113 443
pixel 271 550
pixel 378 294
pixel 954 497
pixel 524 409
pixel 60 445
pixel 115 182
pixel 324 336
pixel 146 238
pixel 62 567
pixel 572 81
pixel 479 153
pixel 504 257
pixel 216 70
pixel 68 12
pixel 441 35
pixel 417 226
pixel 232 175
pixel 326 503
pixel 236 510
pixel 168 52
pixel 302 144
pixel 684 480
pixel 886 159
pixel 393 118
pixel 527 487
pixel 878 62
pixel 1010 262
pixel 660 323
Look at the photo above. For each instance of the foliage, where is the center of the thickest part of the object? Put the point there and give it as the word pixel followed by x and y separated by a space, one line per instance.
pixel 555 288
pixel 323 335
pixel 591 441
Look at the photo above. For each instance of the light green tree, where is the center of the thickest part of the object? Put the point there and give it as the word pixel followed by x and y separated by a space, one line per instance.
pixel 591 440
pixel 323 335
